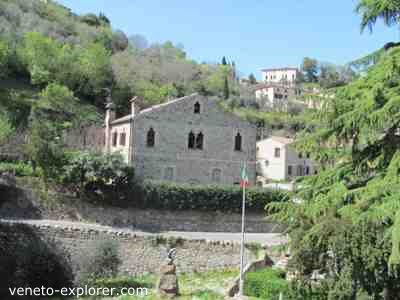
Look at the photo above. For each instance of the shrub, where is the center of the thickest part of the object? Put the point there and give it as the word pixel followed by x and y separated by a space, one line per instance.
pixel 103 262
pixel 266 284
pixel 98 176
pixel 208 198
pixel 18 168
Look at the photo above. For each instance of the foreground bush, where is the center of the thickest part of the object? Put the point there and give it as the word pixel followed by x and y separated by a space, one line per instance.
pixel 209 198
pixel 266 284
pixel 109 179
pixel 103 262
pixel 98 176
pixel 19 168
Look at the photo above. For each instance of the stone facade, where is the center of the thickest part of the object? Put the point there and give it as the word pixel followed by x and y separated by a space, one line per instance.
pixel 139 254
pixel 88 138
pixel 157 142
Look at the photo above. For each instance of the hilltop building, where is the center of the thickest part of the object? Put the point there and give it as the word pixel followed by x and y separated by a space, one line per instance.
pixel 277 160
pixel 285 76
pixel 187 140
pixel 269 95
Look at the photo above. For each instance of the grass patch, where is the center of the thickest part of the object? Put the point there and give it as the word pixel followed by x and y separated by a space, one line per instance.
pixel 196 286
pixel 266 284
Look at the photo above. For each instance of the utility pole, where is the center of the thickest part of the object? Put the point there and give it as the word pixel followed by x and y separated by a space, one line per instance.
pixel 243 183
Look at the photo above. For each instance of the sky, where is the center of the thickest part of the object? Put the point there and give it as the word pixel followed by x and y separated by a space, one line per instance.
pixel 255 34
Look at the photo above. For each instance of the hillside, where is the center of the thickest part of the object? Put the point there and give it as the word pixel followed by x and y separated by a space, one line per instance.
pixel 44 43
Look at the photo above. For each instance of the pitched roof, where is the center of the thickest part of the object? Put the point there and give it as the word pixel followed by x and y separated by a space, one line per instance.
pixel 128 118
pixel 282 140
pixel 125 119
pixel 155 107
pixel 279 139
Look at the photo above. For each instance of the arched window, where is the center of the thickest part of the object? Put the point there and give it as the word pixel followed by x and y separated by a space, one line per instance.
pixel 191 140
pixel 216 175
pixel 199 141
pixel 197 108
pixel 151 137
pixel 238 142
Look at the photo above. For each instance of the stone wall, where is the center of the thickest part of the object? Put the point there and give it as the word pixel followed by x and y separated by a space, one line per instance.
pixel 89 138
pixel 25 204
pixel 139 254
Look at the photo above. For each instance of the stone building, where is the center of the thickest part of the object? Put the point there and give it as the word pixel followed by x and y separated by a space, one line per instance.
pixel 189 140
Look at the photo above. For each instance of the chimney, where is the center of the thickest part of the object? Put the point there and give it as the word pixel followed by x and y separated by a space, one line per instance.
pixel 110 113
pixel 110 116
pixel 135 109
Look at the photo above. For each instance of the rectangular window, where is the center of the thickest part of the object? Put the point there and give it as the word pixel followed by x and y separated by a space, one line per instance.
pixel 277 152
pixel 122 139
pixel 114 139
pixel 169 174
pixel 216 175
pixel 290 170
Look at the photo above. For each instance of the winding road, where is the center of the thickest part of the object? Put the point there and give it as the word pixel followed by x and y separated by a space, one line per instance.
pixel 266 239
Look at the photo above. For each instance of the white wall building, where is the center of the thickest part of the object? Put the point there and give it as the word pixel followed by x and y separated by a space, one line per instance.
pixel 277 160
pixel 280 75
pixel 271 94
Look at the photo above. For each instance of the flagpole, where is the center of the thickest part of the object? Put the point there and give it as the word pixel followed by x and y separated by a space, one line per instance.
pixel 241 281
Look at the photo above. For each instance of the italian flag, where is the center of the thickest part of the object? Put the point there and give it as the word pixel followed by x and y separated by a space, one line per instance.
pixel 244 180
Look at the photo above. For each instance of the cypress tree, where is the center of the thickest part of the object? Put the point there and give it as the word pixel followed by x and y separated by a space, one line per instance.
pixel 224 63
pixel 226 88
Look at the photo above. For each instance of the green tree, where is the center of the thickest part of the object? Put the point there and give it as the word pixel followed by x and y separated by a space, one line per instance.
pixel 4 58
pixel 40 55
pixel 98 176
pixel 51 115
pixel 223 62
pixel 95 69
pixel 6 128
pixel 310 69
pixel 372 10
pixel 226 88
pixel 347 223
pixel 252 79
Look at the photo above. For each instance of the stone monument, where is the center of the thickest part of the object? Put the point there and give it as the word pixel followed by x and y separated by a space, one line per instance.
pixel 168 282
